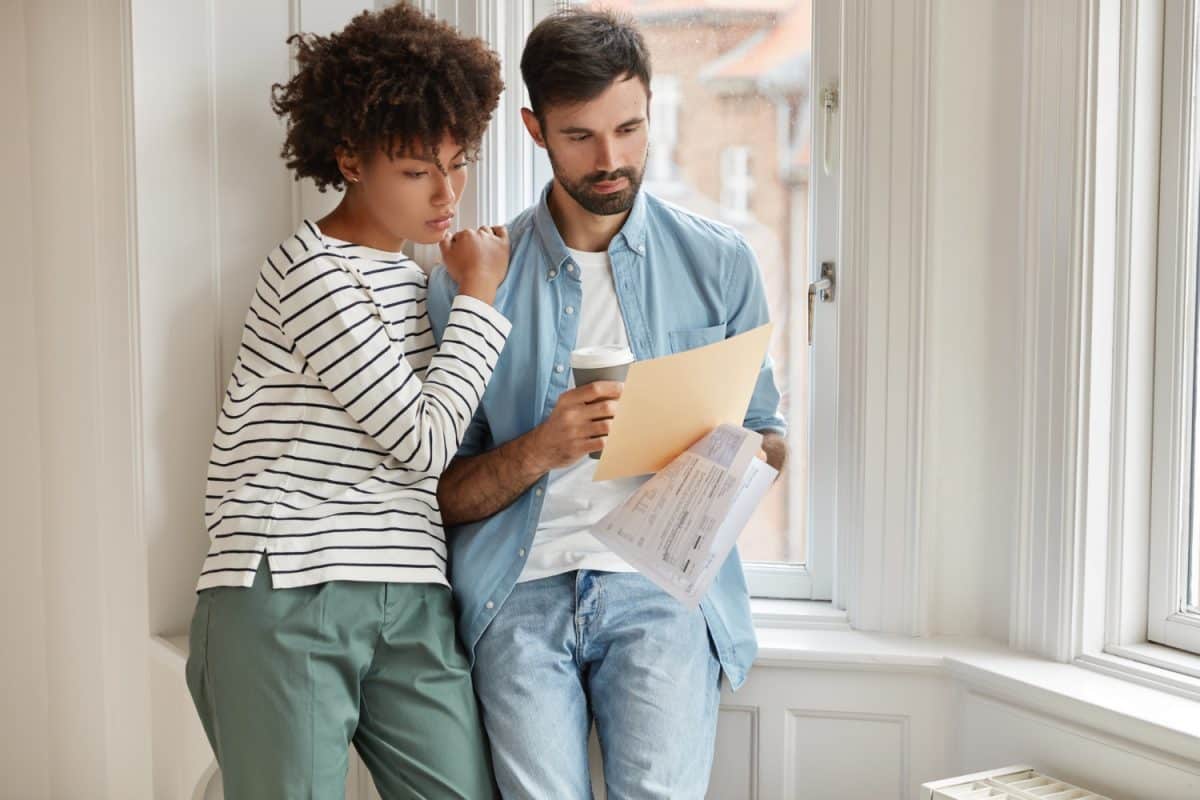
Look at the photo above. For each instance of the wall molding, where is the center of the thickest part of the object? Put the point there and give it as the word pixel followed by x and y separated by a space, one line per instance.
pixel 793 785
pixel 888 109
pixel 1058 206
pixel 754 748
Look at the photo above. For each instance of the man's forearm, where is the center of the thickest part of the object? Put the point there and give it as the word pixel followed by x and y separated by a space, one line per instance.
pixel 475 487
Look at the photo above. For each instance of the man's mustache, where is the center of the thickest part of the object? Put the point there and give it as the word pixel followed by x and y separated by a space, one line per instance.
pixel 605 177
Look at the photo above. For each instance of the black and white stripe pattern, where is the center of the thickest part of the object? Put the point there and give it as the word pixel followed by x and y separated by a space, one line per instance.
pixel 341 413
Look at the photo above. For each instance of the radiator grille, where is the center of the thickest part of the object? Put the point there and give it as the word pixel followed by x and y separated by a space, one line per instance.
pixel 1008 783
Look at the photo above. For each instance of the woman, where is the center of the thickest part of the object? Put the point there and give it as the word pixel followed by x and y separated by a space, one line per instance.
pixel 324 615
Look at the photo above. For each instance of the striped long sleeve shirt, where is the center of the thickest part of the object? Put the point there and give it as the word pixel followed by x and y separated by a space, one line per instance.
pixel 340 415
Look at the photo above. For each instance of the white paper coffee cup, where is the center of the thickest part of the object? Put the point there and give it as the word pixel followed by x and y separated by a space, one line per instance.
pixel 607 362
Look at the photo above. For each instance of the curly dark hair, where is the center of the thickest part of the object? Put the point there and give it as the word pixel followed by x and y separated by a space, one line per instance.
pixel 394 79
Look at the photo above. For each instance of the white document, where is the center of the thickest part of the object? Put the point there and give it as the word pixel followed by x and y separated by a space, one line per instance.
pixel 679 526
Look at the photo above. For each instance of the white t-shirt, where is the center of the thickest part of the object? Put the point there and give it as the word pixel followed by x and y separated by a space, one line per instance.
pixel 574 502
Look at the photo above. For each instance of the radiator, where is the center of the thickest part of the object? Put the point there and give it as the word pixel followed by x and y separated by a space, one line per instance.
pixel 1007 783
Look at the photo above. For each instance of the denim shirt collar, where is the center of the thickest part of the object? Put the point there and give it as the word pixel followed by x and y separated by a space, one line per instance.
pixel 632 235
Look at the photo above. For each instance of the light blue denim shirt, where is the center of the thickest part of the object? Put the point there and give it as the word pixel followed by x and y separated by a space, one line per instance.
pixel 682 281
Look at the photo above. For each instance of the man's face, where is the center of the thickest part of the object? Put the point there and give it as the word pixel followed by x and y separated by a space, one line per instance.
pixel 598 149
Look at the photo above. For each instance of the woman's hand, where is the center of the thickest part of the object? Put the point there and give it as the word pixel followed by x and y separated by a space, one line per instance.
pixel 477 260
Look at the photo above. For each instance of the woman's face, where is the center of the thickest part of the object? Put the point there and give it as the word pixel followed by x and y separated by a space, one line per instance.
pixel 411 196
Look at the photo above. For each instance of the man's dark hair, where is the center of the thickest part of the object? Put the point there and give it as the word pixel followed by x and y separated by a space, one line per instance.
pixel 395 79
pixel 573 56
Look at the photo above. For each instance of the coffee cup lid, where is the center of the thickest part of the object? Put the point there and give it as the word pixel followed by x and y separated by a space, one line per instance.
pixel 600 356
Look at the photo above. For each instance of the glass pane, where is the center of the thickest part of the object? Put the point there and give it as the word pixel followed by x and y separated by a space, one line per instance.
pixel 729 139
pixel 1192 602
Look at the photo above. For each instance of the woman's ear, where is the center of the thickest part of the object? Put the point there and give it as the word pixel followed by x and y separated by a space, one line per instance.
pixel 349 164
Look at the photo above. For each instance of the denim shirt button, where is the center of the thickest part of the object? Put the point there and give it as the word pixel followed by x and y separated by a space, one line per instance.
pixel 521 552
pixel 490 604
pixel 558 368
pixel 538 491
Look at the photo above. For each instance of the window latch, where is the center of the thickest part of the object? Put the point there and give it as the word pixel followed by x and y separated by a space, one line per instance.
pixel 829 105
pixel 820 290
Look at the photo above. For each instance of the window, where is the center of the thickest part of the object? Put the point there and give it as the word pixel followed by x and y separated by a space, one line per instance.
pixel 1174 586
pixel 1192 602
pixel 1192 605
pixel 664 133
pixel 731 140
pixel 736 183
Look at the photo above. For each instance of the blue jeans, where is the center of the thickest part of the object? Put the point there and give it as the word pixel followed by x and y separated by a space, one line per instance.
pixel 610 647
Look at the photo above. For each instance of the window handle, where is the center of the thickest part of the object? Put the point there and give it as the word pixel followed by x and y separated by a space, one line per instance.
pixel 821 289
pixel 829 104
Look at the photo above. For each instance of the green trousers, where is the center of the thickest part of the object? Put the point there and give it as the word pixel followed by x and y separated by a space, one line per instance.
pixel 285 679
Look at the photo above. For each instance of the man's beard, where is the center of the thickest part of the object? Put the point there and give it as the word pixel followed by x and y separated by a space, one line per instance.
pixel 581 191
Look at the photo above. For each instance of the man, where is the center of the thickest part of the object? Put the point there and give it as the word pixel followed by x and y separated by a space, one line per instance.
pixel 562 631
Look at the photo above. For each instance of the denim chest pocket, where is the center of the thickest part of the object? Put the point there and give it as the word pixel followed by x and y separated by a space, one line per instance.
pixel 689 338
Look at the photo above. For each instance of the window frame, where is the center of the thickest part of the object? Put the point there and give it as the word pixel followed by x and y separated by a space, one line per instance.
pixel 664 133
pixel 737 182
pixel 1171 502
pixel 1133 478
pixel 1090 231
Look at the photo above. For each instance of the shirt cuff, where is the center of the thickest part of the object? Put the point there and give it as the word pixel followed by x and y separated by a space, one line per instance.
pixel 464 302
pixel 767 427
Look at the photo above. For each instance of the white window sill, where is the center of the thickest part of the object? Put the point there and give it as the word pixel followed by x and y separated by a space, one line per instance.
pixel 809 614
pixel 1110 705
pixel 1153 665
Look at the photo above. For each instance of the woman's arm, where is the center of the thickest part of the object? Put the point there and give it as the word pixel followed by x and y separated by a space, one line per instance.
pixel 336 327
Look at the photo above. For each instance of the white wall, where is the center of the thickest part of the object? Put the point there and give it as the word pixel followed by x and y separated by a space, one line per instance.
pixel 213 198
pixel 972 377
pixel 992 733
pixel 74 606
pixel 23 687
